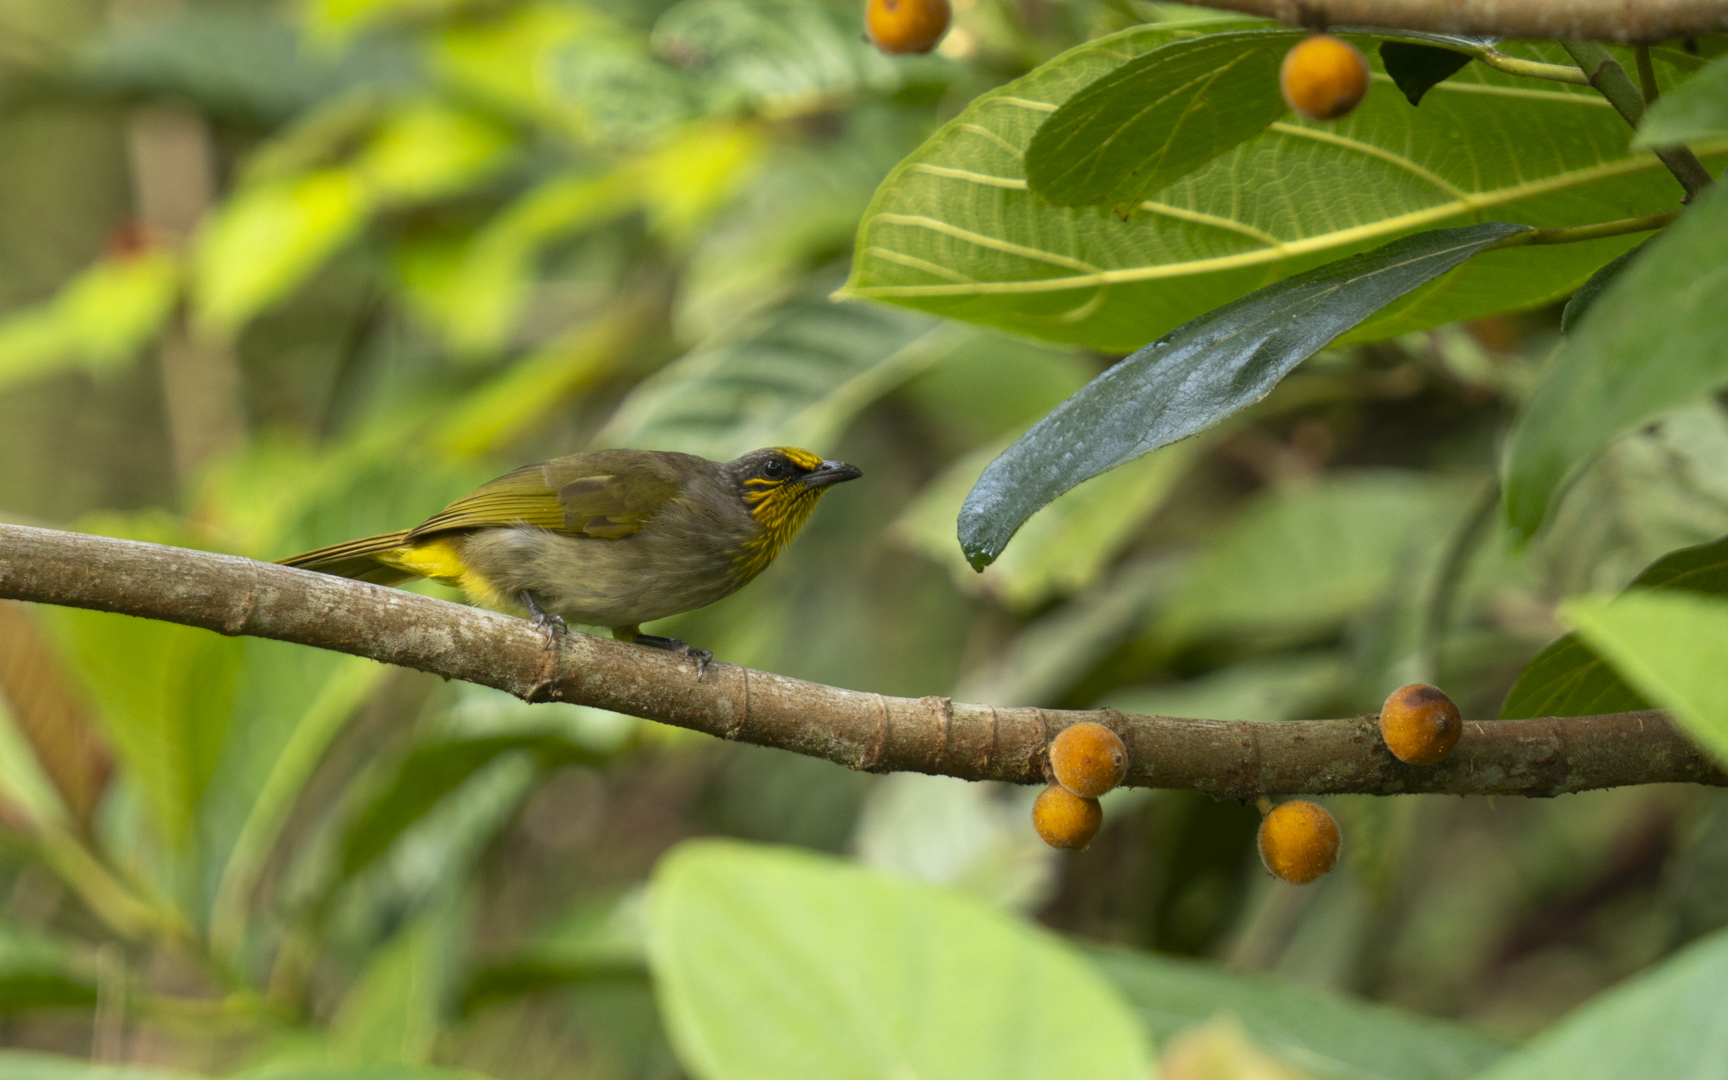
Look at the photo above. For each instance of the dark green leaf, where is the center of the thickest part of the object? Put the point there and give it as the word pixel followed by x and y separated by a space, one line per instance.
pixel 1569 679
pixel 1199 373
pixel 531 975
pixel 430 773
pixel 1158 117
pixel 20 990
pixel 1651 343
pixel 1326 1037
pixel 1418 68
pixel 1590 290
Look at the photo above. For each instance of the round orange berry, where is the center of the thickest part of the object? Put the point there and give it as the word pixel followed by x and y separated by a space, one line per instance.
pixel 1298 841
pixel 1088 759
pixel 1420 724
pixel 1064 819
pixel 1323 78
pixel 906 26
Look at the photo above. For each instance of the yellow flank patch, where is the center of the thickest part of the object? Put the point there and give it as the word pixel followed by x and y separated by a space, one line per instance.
pixel 441 560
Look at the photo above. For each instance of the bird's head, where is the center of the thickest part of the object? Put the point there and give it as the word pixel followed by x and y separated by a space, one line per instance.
pixel 780 486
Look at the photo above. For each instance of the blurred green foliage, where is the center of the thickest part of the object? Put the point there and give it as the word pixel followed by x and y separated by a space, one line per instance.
pixel 452 236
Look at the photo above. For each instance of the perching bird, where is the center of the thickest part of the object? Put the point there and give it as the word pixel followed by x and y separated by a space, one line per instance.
pixel 610 538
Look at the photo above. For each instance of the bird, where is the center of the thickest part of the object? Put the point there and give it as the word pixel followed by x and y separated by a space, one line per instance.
pixel 612 538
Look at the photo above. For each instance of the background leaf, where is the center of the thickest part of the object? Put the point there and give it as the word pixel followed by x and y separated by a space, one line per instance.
pixel 1670 1021
pixel 1695 111
pixel 1417 69
pixel 774 964
pixel 1650 342
pixel 1198 374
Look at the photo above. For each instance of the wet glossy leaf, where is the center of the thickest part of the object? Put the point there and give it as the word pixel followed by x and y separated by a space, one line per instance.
pixel 1198 374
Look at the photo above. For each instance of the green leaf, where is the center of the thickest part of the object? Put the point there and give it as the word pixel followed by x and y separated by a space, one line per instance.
pixel 266 240
pixel 1569 679
pixel 391 1013
pixel 23 1065
pixel 1325 1037
pixel 99 319
pixel 795 374
pixel 1417 69
pixel 429 774
pixel 1300 560
pixel 1668 645
pixel 1588 292
pixel 1651 342
pixel 1198 374
pixel 955 230
pixel 1694 111
pixel 534 974
pixel 771 963
pixel 1158 117
pixel 1671 1021
pixel 333 1072
pixel 427 150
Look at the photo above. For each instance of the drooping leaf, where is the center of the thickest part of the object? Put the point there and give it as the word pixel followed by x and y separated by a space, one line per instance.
pixel 775 964
pixel 50 715
pixel 1325 1037
pixel 1667 645
pixel 1417 69
pixel 1158 117
pixel 1200 373
pixel 794 374
pixel 1670 1021
pixel 954 229
pixel 1588 292
pixel 1695 111
pixel 1652 341
pixel 1568 678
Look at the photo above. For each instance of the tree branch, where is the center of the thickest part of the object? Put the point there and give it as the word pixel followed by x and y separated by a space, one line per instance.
pixel 1226 759
pixel 1596 20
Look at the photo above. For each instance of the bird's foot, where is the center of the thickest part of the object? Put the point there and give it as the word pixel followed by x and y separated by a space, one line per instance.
pixel 550 625
pixel 703 657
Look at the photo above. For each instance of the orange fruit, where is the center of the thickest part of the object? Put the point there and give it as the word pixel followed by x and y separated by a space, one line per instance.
pixel 1064 819
pixel 1323 78
pixel 906 26
pixel 1298 841
pixel 1088 759
pixel 1420 724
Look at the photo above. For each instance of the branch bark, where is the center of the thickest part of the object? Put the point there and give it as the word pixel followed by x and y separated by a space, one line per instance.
pixel 1595 20
pixel 1226 759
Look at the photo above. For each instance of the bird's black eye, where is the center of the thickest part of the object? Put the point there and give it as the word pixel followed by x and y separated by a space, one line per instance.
pixel 774 469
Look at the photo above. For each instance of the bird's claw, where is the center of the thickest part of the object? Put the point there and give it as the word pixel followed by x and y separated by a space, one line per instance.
pixel 703 658
pixel 550 625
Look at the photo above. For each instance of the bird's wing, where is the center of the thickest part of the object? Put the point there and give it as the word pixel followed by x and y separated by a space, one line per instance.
pixel 605 494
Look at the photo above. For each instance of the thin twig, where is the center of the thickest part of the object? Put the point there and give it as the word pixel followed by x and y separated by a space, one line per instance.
pixel 1457 560
pixel 1608 77
pixel 1531 69
pixel 1226 759
pixel 1646 74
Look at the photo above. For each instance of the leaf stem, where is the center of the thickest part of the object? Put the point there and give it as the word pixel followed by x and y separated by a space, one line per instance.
pixel 1452 567
pixel 1532 69
pixel 1646 74
pixel 1611 80
pixel 1575 234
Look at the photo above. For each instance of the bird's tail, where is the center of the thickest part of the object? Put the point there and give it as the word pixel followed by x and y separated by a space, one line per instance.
pixel 358 559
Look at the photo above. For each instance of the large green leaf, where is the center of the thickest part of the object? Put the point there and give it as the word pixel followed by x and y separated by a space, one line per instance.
pixel 1326 1037
pixel 1568 678
pixel 1198 374
pixel 771 963
pixel 1669 646
pixel 1671 1022
pixel 955 230
pixel 1158 117
pixel 1693 112
pixel 1653 340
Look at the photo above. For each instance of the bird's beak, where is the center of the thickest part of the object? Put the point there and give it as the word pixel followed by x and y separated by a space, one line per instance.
pixel 831 472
